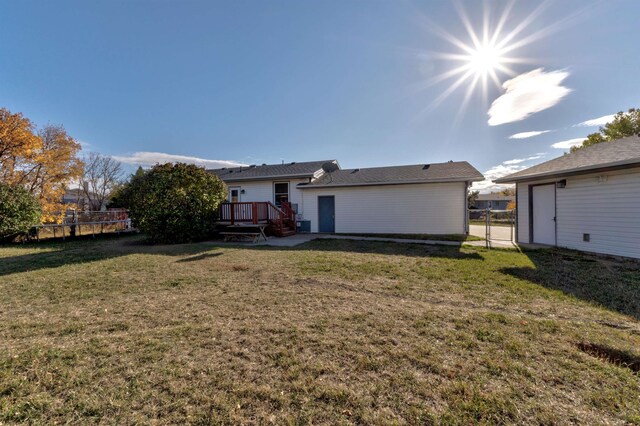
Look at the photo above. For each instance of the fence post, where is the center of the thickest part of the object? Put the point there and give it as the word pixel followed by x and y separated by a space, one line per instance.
pixel 487 230
pixel 254 213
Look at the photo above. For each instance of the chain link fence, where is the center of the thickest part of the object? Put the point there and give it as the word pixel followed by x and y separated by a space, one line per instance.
pixel 493 225
pixel 82 223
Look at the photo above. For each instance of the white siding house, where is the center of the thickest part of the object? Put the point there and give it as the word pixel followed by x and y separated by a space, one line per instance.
pixel 417 199
pixel 588 200
pixel 429 208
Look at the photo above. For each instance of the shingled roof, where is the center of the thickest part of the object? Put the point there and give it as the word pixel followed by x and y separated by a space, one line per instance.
pixel 459 171
pixel 622 153
pixel 268 171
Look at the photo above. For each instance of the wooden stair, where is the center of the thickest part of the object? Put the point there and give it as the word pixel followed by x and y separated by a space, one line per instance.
pixel 282 220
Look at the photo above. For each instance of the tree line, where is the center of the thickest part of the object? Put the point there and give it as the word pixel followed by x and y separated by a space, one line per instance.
pixel 169 203
pixel 37 166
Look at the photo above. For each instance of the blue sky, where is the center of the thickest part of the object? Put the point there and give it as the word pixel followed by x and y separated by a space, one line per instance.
pixel 261 82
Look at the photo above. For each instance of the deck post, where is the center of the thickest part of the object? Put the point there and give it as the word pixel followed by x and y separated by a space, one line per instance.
pixel 232 213
pixel 254 213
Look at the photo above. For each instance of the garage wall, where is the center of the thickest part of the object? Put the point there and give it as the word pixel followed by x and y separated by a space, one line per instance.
pixel 608 209
pixel 435 208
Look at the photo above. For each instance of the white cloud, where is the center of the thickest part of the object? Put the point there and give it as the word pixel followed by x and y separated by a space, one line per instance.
pixel 568 143
pixel 522 160
pixel 600 121
pixel 505 168
pixel 527 94
pixel 152 158
pixel 525 135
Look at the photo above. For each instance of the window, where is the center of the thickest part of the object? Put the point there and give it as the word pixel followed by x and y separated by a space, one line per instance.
pixel 234 195
pixel 281 192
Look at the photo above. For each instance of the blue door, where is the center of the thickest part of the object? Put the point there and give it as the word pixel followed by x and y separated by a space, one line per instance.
pixel 327 214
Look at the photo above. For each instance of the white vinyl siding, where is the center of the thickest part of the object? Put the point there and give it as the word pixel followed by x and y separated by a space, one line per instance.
pixel 435 208
pixel 608 209
pixel 263 191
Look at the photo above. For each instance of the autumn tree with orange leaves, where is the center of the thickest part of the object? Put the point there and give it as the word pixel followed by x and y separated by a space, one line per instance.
pixel 43 162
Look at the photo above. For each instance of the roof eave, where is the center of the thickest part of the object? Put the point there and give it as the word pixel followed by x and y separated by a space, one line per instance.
pixel 404 182
pixel 618 165
pixel 297 176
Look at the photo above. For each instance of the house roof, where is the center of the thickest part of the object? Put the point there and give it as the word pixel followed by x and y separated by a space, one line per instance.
pixel 495 197
pixel 269 171
pixel 459 171
pixel 622 153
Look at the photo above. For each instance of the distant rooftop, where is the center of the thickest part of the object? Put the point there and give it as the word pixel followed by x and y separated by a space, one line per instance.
pixel 458 171
pixel 495 197
pixel 622 153
pixel 266 171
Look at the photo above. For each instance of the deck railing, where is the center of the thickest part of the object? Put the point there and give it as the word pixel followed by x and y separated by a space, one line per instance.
pixel 256 212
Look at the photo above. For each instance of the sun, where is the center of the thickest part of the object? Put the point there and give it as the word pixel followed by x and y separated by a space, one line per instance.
pixel 485 59
pixel 484 56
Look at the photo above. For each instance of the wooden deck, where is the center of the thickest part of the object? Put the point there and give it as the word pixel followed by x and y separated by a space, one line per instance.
pixel 280 221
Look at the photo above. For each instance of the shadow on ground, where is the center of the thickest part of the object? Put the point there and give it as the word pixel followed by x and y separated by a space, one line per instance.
pixel 611 283
pixel 380 247
pixel 56 254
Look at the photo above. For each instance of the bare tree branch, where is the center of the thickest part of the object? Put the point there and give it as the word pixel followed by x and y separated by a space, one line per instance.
pixel 101 175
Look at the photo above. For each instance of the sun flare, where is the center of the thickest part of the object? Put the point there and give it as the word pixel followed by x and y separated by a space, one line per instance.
pixel 485 59
pixel 485 55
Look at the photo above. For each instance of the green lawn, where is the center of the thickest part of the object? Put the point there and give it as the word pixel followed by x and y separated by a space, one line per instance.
pixel 433 237
pixel 332 332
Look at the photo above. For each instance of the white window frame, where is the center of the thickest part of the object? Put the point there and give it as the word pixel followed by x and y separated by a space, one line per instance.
pixel 235 188
pixel 275 195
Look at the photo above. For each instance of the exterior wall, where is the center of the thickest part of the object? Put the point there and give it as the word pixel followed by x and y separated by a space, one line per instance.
pixel 263 191
pixel 608 210
pixel 435 208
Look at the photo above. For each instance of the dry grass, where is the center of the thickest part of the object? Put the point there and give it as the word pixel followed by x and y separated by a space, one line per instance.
pixel 333 332
pixel 433 237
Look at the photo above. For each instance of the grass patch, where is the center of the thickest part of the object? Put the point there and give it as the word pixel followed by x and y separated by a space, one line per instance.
pixel 434 237
pixel 331 332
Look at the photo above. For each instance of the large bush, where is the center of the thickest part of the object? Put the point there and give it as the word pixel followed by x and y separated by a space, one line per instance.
pixel 19 211
pixel 173 203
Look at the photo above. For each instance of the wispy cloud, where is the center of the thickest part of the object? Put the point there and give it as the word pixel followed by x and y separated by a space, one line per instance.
pixel 527 94
pixel 522 160
pixel 600 121
pixel 505 168
pixel 525 135
pixel 568 143
pixel 83 144
pixel 147 159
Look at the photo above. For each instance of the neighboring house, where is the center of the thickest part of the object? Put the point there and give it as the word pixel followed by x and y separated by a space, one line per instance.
pixel 78 200
pixel 586 200
pixel 417 199
pixel 493 201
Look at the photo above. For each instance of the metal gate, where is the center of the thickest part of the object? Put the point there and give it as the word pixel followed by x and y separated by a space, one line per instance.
pixel 496 225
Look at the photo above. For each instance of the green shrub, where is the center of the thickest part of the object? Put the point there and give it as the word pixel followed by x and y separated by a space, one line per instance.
pixel 173 203
pixel 19 211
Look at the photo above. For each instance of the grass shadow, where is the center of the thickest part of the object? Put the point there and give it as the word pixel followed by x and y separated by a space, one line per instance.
pixel 611 283
pixel 55 254
pixel 378 247
pixel 198 257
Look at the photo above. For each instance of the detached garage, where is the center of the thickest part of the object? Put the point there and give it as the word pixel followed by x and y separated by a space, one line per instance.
pixel 416 199
pixel 587 200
